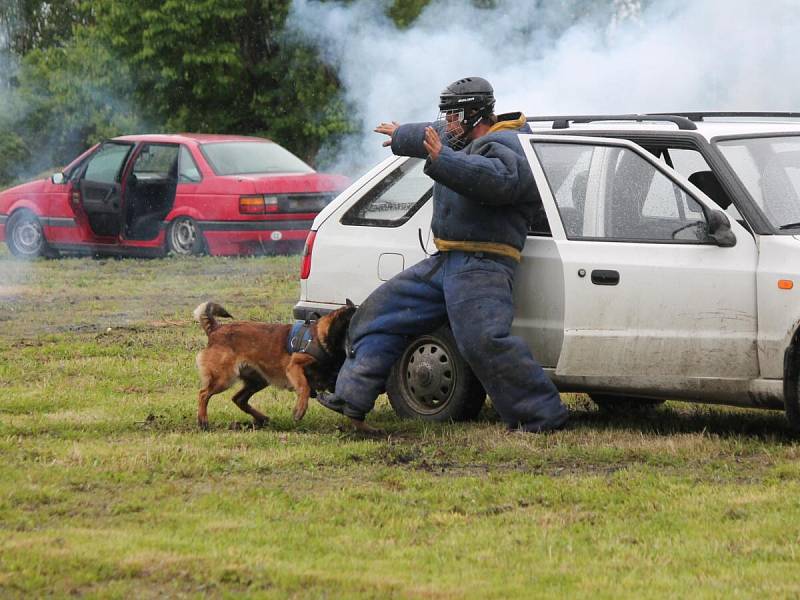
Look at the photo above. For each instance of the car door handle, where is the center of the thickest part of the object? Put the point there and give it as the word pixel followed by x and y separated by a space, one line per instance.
pixel 605 277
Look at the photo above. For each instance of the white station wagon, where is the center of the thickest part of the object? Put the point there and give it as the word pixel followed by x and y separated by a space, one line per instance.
pixel 666 268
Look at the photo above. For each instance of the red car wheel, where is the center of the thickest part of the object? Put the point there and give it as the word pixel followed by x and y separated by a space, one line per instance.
pixel 184 237
pixel 25 237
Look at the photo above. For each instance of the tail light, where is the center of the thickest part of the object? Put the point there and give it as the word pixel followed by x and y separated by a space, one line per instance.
pixel 305 266
pixel 257 205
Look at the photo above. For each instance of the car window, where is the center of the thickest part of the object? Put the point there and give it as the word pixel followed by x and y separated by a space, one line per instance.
pixel 612 193
pixel 394 199
pixel 188 171
pixel 156 161
pixel 770 170
pixel 568 175
pixel 686 161
pixel 251 158
pixel 106 164
pixel 74 172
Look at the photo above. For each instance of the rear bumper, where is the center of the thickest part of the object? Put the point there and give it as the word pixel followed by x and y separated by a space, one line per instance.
pixel 255 237
pixel 304 310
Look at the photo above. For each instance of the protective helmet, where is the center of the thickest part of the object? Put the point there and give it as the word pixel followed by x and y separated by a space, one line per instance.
pixel 462 105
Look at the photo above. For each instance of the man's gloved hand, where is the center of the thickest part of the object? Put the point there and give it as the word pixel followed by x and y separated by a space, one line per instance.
pixel 387 129
pixel 432 143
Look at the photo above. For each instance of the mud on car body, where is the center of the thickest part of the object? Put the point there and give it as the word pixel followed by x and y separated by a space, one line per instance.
pixel 152 194
pixel 665 266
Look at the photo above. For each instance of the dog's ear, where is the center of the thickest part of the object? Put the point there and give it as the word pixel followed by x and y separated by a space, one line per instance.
pixel 349 303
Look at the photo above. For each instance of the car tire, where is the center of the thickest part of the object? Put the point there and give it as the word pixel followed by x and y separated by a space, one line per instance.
pixel 616 404
pixel 431 381
pixel 184 237
pixel 25 236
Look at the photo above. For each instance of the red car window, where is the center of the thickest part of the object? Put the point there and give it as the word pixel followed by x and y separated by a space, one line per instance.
pixel 250 158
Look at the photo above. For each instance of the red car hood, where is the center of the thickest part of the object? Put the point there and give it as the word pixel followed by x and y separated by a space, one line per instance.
pixel 296 183
pixel 32 187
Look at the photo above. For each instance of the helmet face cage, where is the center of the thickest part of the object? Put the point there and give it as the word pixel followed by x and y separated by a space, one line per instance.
pixel 452 128
pixel 455 122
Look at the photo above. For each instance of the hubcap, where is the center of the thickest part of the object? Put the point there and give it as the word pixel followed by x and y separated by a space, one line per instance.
pixel 184 236
pixel 429 377
pixel 28 237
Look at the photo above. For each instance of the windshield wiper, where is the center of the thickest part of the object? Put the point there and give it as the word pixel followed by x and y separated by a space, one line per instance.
pixel 790 226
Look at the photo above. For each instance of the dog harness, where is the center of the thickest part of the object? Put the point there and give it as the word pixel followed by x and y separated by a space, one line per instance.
pixel 301 339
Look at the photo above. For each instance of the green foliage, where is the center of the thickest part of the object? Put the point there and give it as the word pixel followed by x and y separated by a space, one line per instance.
pixel 69 97
pixel 95 69
pixel 224 66
pixel 77 71
pixel 13 152
pixel 30 24
pixel 403 12
pixel 304 107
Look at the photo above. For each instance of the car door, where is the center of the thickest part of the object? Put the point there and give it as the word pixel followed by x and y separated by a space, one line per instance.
pixel 100 188
pixel 149 190
pixel 650 302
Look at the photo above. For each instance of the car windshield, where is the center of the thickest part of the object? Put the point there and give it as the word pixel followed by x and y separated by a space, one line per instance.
pixel 769 167
pixel 250 158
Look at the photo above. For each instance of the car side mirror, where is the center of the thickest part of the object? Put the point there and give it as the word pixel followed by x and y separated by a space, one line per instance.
pixel 719 229
pixel 58 178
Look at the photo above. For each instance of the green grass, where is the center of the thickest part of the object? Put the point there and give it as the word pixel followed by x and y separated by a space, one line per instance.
pixel 107 488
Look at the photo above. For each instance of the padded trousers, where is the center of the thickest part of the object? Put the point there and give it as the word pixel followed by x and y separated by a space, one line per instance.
pixel 474 292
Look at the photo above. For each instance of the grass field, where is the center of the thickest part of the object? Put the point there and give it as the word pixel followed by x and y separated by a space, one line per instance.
pixel 107 488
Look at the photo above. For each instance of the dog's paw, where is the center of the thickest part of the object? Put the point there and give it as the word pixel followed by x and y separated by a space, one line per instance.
pixel 299 413
pixel 203 425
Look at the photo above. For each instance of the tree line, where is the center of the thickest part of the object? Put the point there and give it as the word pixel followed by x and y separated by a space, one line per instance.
pixel 73 72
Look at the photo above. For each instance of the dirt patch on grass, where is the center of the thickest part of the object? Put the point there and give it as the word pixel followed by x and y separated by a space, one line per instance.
pixel 11 291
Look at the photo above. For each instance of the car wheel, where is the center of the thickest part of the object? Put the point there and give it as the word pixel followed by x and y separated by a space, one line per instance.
pixel 184 237
pixel 25 237
pixel 433 382
pixel 616 404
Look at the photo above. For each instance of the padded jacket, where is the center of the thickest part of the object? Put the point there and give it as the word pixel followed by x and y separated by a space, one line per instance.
pixel 484 192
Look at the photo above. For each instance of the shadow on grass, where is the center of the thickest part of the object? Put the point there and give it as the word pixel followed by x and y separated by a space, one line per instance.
pixel 683 417
pixel 670 419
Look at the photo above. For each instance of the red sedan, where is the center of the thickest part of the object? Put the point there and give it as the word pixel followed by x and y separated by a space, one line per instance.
pixel 147 195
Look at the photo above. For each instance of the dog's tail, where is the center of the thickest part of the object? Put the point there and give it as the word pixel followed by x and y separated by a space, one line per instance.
pixel 205 314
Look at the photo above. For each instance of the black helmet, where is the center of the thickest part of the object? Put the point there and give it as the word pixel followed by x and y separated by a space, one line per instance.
pixel 472 98
pixel 469 93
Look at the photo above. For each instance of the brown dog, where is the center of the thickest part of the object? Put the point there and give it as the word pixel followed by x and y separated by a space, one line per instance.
pixel 260 355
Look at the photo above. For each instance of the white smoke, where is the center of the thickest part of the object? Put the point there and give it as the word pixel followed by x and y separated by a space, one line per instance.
pixel 555 59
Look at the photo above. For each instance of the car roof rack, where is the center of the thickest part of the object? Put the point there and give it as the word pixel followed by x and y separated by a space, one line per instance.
pixel 700 116
pixel 563 121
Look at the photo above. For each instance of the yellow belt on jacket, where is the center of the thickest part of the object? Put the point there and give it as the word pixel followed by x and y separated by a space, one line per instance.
pixel 489 247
